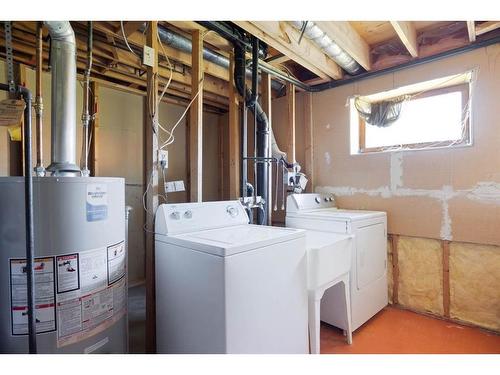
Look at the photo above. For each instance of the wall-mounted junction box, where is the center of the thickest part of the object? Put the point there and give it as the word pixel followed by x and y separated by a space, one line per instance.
pixel 148 56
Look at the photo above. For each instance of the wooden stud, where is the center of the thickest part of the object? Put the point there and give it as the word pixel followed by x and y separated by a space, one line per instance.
pixel 290 94
pixel 347 38
pixel 446 278
pixel 222 156
pixel 94 144
pixel 309 149
pixel 233 137
pixel 151 183
pixel 395 268
pixel 362 135
pixel 471 30
pixel 266 98
pixel 196 120
pixel 408 35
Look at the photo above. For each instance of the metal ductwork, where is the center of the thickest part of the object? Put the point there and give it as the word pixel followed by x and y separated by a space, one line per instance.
pixel 63 96
pixel 181 43
pixel 328 46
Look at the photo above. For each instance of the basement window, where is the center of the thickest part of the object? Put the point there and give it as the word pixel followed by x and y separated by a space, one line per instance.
pixel 430 114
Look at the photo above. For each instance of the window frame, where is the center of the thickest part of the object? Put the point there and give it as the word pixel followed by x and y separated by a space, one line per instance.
pixel 464 88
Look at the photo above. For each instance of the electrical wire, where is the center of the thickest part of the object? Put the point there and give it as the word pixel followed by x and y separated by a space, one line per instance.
pixel 125 39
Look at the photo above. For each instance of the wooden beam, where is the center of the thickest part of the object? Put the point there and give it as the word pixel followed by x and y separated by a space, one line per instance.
pixel 208 37
pixel 94 144
pixel 290 95
pixel 139 40
pixel 408 35
pixel 266 98
pixel 233 137
pixel 151 183
pixel 471 30
pixel 196 120
pixel 395 268
pixel 222 157
pixel 308 141
pixel 446 278
pixel 486 27
pixel 347 38
pixel 284 38
pixel 129 27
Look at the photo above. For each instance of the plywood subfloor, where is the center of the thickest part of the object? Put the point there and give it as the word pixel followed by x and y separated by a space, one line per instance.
pixel 396 331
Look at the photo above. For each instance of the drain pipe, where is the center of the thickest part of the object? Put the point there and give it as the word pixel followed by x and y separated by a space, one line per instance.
pixel 39 169
pixel 25 94
pixel 63 96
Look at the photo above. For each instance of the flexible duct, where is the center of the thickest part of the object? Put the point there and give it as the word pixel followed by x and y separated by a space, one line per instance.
pixel 63 114
pixel 328 46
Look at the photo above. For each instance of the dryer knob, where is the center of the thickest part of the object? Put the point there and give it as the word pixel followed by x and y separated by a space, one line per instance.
pixel 317 200
pixel 188 214
pixel 232 211
pixel 176 215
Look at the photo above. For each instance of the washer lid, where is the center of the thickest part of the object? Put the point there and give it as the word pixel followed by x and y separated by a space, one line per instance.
pixel 233 240
pixel 339 214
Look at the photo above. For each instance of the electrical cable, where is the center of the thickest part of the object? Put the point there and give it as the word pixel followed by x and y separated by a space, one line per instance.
pixel 125 39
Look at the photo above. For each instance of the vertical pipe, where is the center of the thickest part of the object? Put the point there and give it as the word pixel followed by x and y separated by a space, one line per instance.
pixel 85 112
pixel 40 171
pixel 30 241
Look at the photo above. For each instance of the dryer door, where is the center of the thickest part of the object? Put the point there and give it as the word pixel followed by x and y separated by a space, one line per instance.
pixel 371 254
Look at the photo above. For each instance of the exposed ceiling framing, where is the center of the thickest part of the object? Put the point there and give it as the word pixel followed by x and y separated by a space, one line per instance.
pixel 375 45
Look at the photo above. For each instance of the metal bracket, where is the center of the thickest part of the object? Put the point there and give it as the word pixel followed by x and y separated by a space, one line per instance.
pixel 10 58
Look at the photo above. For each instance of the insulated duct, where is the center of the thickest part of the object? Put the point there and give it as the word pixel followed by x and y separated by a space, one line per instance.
pixel 181 43
pixel 328 46
pixel 63 96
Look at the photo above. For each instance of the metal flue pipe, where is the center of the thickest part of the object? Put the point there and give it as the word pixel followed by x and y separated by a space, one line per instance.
pixel 63 115
pixel 328 46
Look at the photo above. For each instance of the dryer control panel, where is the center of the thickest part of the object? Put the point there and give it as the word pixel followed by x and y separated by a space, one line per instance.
pixel 177 218
pixel 309 201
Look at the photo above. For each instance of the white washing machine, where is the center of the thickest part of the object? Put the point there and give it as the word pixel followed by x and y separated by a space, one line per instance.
pixel 226 286
pixel 368 277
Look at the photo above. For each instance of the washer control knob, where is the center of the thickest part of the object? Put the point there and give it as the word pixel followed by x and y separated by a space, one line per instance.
pixel 330 199
pixel 317 200
pixel 176 215
pixel 188 214
pixel 232 211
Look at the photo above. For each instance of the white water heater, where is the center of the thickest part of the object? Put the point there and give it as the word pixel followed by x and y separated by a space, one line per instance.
pixel 80 265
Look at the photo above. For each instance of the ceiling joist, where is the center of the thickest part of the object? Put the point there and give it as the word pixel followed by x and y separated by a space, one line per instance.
pixel 347 38
pixel 486 27
pixel 408 35
pixel 471 30
pixel 284 38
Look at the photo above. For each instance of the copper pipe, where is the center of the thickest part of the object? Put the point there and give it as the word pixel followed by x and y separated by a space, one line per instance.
pixel 39 169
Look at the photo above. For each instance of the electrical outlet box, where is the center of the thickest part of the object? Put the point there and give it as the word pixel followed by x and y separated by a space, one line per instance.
pixel 163 159
pixel 174 186
pixel 148 56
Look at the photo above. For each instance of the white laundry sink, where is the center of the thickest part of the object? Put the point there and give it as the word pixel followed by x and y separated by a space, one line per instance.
pixel 328 257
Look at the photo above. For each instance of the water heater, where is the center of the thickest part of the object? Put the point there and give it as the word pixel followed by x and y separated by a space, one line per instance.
pixel 80 265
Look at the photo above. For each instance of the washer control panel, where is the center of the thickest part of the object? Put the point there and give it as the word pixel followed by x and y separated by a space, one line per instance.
pixel 179 218
pixel 309 201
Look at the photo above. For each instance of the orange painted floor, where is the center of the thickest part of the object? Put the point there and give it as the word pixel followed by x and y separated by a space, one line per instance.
pixel 396 331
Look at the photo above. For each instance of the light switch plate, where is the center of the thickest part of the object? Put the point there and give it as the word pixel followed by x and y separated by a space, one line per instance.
pixel 148 56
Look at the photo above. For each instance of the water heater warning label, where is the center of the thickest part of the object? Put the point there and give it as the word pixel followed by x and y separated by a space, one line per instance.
pixel 45 314
pixel 68 278
pixel 96 304
pixel 97 202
